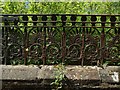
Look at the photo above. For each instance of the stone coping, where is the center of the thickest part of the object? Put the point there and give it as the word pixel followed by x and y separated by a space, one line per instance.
pixel 110 74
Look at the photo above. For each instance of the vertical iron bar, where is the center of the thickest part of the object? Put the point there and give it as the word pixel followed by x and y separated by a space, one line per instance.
pixel 102 45
pixel 82 47
pixel 25 46
pixel 25 42
pixel 83 19
pixel 0 43
pixel 6 45
pixel 44 18
pixel 44 46
pixel 102 40
pixel 63 44
pixel 3 44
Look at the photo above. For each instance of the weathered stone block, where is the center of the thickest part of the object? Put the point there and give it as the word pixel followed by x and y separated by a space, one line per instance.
pixel 110 74
pixel 19 72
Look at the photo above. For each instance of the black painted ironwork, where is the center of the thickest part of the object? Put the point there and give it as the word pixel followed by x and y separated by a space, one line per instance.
pixel 55 38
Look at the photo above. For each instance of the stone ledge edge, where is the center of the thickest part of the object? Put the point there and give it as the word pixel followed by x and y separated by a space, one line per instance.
pixel 110 74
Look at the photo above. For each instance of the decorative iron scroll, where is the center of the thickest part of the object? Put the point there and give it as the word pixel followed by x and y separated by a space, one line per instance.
pixel 55 38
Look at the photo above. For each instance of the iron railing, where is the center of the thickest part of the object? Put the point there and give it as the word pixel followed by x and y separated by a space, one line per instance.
pixel 54 38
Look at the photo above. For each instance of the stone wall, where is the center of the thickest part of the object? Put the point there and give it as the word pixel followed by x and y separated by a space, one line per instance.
pixel 32 77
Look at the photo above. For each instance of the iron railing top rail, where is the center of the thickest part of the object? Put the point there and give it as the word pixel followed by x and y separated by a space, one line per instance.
pixel 93 22
pixel 61 14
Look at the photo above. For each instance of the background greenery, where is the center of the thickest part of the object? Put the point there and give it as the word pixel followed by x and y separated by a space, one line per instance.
pixel 60 7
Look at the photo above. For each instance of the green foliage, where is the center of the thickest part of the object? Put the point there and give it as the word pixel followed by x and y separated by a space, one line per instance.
pixel 29 62
pixel 59 76
pixel 61 7
pixel 17 62
pixel 13 7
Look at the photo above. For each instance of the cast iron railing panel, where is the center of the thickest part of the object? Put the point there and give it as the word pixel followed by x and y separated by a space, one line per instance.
pixel 55 38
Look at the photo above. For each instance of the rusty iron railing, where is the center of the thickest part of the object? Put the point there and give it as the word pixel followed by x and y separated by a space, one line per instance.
pixel 54 38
